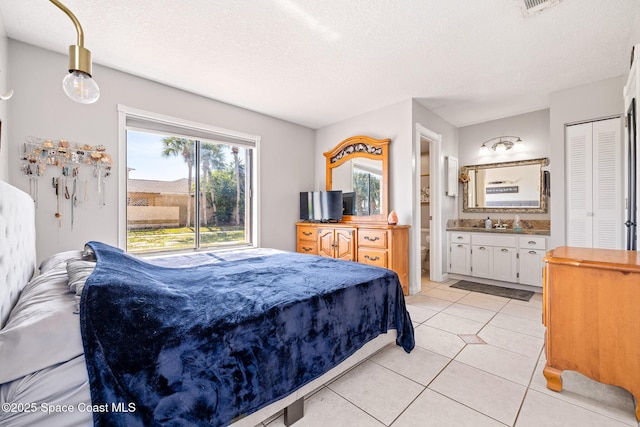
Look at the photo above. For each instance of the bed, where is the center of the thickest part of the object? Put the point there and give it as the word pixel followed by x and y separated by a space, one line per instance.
pixel 104 338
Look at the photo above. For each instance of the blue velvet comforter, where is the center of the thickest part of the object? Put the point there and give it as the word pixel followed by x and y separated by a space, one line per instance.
pixel 205 344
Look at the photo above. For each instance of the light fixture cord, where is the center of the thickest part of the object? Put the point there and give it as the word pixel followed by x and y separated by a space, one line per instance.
pixel 74 19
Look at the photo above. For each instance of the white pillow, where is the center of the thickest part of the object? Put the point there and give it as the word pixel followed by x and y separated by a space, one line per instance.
pixel 78 271
pixel 56 259
pixel 41 330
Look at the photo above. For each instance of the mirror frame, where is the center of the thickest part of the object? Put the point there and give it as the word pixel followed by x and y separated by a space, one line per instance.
pixel 366 147
pixel 543 196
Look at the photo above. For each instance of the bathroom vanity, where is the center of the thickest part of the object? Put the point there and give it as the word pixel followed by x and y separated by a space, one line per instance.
pixel 497 255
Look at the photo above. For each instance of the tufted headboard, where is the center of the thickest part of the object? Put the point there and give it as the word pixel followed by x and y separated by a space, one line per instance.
pixel 17 246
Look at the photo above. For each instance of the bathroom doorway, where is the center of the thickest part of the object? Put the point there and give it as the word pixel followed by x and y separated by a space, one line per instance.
pixel 425 209
pixel 436 250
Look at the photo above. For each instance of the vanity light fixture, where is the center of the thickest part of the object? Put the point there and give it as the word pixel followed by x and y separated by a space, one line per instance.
pixel 503 143
pixel 78 84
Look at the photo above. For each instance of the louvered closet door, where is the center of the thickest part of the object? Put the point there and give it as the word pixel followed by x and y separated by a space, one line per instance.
pixel 579 158
pixel 594 185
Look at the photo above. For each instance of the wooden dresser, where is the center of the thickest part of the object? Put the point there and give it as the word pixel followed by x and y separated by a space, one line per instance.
pixel 381 245
pixel 591 308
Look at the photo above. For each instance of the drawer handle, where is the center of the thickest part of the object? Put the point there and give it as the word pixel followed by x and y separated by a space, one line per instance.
pixel 307 233
pixel 375 258
pixel 532 252
pixel 531 242
pixel 504 250
pixel 482 248
pixel 307 249
pixel 459 237
pixel 460 246
pixel 371 239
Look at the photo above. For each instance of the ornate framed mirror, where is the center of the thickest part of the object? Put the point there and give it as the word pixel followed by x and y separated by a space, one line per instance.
pixel 517 187
pixel 359 166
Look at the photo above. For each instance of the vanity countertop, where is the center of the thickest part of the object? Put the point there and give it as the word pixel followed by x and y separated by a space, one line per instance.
pixel 500 230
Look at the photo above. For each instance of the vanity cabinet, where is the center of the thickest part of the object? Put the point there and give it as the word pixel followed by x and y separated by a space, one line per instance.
pixel 497 257
pixel 494 257
pixel 384 246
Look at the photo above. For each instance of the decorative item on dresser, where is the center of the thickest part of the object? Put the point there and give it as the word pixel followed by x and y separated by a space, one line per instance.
pixel 366 236
pixel 590 308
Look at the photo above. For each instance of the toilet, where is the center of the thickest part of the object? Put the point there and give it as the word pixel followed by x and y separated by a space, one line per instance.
pixel 424 248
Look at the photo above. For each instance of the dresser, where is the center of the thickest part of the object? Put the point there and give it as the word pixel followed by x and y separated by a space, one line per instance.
pixel 380 245
pixel 591 308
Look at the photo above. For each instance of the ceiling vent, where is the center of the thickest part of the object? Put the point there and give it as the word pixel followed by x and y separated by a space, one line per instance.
pixel 531 7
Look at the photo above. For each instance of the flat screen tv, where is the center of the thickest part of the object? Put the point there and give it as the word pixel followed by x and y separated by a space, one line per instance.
pixel 321 206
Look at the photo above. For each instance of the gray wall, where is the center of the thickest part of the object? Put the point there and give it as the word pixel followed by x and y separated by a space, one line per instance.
pixel 41 109
pixel 397 122
pixel 586 102
pixel 532 127
pixel 4 105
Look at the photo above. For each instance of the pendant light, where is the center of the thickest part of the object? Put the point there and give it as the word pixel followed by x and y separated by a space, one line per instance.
pixel 78 84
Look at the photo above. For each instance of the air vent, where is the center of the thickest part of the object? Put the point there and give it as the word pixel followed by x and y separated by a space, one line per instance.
pixel 531 7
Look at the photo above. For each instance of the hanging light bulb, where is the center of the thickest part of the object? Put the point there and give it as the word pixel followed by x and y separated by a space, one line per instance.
pixel 78 84
pixel 484 150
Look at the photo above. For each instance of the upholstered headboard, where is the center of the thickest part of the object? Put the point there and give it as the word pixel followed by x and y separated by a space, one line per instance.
pixel 17 246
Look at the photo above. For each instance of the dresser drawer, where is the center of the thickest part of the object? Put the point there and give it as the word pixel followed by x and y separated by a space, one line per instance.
pixel 308 233
pixel 305 247
pixel 528 242
pixel 372 257
pixel 372 238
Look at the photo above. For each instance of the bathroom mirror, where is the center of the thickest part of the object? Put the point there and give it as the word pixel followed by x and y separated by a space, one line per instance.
pixel 518 187
pixel 359 167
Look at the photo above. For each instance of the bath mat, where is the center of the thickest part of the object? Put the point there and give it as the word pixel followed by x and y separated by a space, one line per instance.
pixel 499 291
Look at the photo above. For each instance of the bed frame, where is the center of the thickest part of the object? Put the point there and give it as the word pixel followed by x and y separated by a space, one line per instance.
pixel 17 266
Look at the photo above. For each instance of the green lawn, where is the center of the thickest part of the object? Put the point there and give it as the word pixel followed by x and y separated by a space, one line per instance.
pixel 151 240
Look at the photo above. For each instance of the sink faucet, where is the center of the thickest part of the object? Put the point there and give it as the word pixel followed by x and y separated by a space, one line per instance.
pixel 499 224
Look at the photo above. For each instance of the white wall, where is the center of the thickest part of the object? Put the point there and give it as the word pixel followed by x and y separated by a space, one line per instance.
pixel 4 105
pixel 41 109
pixel 581 103
pixel 532 127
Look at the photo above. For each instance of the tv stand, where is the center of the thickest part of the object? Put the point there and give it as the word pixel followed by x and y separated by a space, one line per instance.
pixel 381 245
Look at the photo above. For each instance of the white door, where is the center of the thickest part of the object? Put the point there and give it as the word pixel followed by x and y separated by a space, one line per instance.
pixel 593 173
pixel 459 261
pixel 531 267
pixel 504 264
pixel 482 261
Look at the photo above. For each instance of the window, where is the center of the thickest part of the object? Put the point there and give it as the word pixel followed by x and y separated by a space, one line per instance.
pixel 188 186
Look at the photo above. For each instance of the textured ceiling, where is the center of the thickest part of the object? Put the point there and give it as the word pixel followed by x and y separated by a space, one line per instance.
pixel 318 62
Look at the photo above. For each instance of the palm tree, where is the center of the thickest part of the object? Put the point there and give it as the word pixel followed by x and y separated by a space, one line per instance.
pixel 212 158
pixel 236 161
pixel 174 146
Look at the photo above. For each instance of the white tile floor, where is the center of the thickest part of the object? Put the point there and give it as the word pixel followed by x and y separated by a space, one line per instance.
pixel 447 381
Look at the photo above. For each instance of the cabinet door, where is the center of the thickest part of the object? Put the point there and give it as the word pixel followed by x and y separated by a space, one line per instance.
pixel 459 258
pixel 505 264
pixel 531 267
pixel 481 261
pixel 325 242
pixel 344 244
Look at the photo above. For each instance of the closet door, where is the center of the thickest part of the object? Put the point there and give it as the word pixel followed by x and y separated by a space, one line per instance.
pixel 608 191
pixel 594 185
